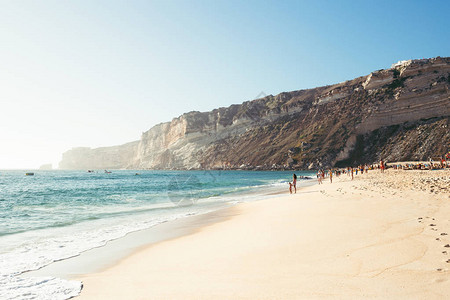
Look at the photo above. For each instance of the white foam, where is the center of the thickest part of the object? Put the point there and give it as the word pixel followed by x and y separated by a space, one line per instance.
pixel 33 250
pixel 45 288
pixel 40 248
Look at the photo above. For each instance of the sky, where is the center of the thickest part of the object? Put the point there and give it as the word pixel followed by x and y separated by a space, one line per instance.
pixel 99 73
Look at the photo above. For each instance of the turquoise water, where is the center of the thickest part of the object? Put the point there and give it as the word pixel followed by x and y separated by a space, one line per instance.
pixel 55 215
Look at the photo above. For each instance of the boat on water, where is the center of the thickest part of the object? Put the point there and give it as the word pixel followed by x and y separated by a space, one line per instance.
pixel 29 174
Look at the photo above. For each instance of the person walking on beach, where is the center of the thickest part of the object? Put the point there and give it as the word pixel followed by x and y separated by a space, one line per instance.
pixel 290 187
pixel 319 177
pixel 382 166
pixel 331 176
pixel 294 183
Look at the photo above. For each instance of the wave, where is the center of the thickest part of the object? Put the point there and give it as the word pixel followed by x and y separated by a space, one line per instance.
pixel 36 254
pixel 78 215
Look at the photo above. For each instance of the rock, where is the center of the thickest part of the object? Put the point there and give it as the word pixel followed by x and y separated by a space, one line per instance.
pixel 294 150
pixel 306 126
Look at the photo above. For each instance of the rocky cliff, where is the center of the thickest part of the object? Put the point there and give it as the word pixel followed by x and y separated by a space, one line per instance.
pixel 361 120
pixel 116 157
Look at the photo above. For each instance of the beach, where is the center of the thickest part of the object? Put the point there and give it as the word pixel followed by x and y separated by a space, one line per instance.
pixel 61 223
pixel 379 236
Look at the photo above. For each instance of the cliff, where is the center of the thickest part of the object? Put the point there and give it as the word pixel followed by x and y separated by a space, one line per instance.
pixel 116 157
pixel 311 128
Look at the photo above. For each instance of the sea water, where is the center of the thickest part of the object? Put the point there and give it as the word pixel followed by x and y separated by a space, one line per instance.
pixel 55 215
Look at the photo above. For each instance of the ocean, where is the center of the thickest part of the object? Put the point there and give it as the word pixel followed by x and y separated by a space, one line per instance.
pixel 55 215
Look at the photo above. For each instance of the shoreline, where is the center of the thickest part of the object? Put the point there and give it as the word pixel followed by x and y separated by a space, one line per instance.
pixel 100 258
pixel 350 239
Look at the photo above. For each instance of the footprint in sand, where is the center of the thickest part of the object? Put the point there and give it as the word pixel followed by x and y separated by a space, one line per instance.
pixel 432 225
pixel 443 233
pixel 447 246
pixel 444 252
pixel 438 239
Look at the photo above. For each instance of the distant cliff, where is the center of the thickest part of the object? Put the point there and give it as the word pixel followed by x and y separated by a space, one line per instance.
pixel 116 157
pixel 361 120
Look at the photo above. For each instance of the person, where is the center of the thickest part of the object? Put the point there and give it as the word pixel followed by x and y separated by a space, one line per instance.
pixel 331 176
pixel 382 166
pixel 290 187
pixel 294 183
pixel 319 177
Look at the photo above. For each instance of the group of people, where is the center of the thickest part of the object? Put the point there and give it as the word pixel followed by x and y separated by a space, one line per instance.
pixel 350 171
pixel 430 165
pixel 322 174
pixel 444 162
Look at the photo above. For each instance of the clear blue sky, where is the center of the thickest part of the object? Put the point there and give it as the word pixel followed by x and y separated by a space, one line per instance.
pixel 97 73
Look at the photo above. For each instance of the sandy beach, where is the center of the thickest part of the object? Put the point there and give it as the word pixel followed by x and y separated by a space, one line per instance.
pixel 379 236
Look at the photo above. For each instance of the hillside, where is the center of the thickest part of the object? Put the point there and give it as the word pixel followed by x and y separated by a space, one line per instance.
pixel 401 113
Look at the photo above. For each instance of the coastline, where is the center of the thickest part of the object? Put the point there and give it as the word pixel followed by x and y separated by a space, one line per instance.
pixel 374 237
pixel 102 257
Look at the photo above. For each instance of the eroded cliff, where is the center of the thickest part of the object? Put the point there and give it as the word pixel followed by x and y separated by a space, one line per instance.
pixel 116 157
pixel 300 129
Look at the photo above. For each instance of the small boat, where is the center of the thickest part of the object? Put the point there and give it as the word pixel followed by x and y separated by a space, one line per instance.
pixel 29 174
pixel 108 172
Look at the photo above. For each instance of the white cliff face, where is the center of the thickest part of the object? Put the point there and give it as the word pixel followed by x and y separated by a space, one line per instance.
pixel 409 91
pixel 175 144
pixel 153 146
pixel 83 158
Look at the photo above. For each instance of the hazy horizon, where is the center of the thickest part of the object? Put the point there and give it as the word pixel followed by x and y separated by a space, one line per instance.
pixel 99 73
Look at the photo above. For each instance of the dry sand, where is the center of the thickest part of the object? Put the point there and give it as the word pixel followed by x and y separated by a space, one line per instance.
pixel 380 236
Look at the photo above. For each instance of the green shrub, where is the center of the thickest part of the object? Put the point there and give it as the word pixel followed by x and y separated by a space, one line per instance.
pixel 396 73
